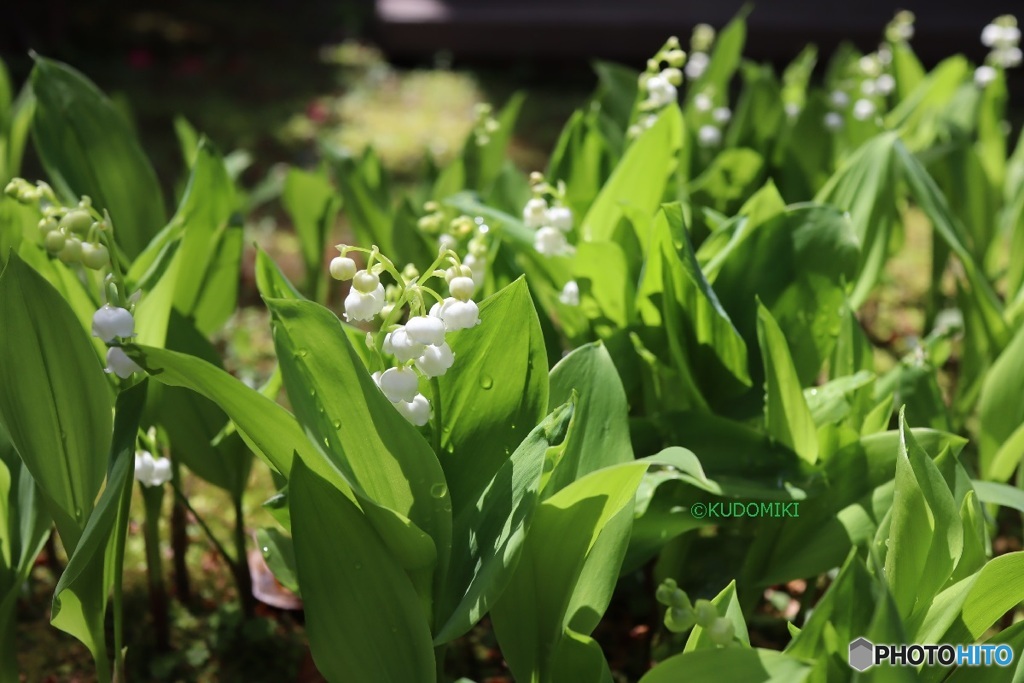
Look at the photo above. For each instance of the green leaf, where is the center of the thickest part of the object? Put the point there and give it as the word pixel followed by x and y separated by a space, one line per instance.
pixel 279 554
pixel 830 402
pixel 599 434
pixel 1001 412
pixel 639 179
pixel 270 430
pixel 88 148
pixel 80 598
pixel 925 538
pixel 567 570
pixel 377 451
pixel 55 402
pixel 488 537
pixel 787 417
pixel 364 619
pixel 728 604
pixel 313 206
pixel 495 392
pixel 750 666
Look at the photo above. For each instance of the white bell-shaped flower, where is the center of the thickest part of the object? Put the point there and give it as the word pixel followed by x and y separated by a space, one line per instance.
pixel 885 84
pixel 400 345
pixel 833 121
pixel 462 288
pixel 435 360
pixel 416 411
pixel 144 467
pixel 660 91
pixel 703 102
pixel 570 295
pixel 863 110
pixel 456 314
pixel 839 99
pixel 709 136
pixel 161 472
pixel 1007 57
pixel 363 306
pixel 551 242
pixel 110 322
pixel 423 329
pixel 399 384
pixel 535 212
pixel 696 65
pixel 721 115
pixel 560 217
pixel 984 75
pixel 478 266
pixel 120 364
pixel 342 268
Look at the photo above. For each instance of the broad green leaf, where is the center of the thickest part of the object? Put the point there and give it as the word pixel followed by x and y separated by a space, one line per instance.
pixel 360 433
pixel 607 292
pixel 1001 412
pixel 639 179
pixel 925 539
pixel 787 417
pixel 270 430
pixel 80 598
pixel 553 587
pixel 985 596
pixel 617 91
pixel 88 148
pixel 750 666
pixel 366 209
pixel 830 402
pixel 487 538
pixel 494 394
pixel 55 402
pixel 313 206
pixel 364 619
pixel 1012 636
pixel 600 431
pixel 728 604
pixel 279 554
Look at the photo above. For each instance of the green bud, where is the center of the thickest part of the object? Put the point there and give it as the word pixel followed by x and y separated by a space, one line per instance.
pixel 675 58
pixel 666 591
pixel 721 631
pixel 55 241
pixel 673 76
pixel 95 256
pixel 72 251
pixel 706 612
pixel 47 225
pixel 77 221
pixel 679 620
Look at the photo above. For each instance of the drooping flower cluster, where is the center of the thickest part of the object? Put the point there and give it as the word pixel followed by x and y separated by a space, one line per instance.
pixel 116 325
pixel 681 615
pixel 150 471
pixel 72 234
pixel 701 40
pixel 1002 37
pixel 710 119
pixel 659 84
pixel 552 222
pixel 419 347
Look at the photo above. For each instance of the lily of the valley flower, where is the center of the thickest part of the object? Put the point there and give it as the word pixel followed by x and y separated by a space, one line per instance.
pixel 398 384
pixel 366 298
pixel 111 322
pixel 399 344
pixel 462 287
pixel 833 121
pixel 535 213
pixel 660 91
pixel 551 242
pixel 696 65
pixel 342 268
pixel 560 217
pixel 709 136
pixel 435 360
pixel 570 295
pixel 984 75
pixel 120 364
pixel 456 314
pixel 423 329
pixel 863 110
pixel 416 411
pixel 150 471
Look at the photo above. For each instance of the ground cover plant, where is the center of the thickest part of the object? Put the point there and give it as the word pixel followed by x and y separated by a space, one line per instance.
pixel 642 389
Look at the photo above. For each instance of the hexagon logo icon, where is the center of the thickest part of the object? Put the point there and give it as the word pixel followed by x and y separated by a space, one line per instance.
pixel 862 654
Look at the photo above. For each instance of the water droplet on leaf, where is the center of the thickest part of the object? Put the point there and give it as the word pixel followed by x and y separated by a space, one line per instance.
pixel 486 382
pixel 439 490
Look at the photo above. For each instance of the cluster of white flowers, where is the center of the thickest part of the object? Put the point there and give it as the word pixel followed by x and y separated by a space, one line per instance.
pixel 72 234
pixel 1002 36
pixel 901 28
pixel 150 471
pixel 552 223
pixel 700 43
pixel 710 120
pixel 419 346
pixel 659 84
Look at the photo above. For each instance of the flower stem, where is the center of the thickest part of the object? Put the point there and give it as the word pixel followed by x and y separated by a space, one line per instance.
pixel 153 497
pixel 121 531
pixel 435 390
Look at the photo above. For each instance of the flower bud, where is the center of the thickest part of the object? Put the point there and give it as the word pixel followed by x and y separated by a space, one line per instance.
pixel 709 136
pixel 721 115
pixel 342 268
pixel 120 364
pixel 660 91
pixel 833 121
pixel 76 220
pixel 366 282
pixel 72 250
pixel 94 256
pixel 679 619
pixel 675 58
pixel 984 75
pixel 47 225
pixel 696 65
pixel 703 102
pixel 462 287
pixel 55 241
pixel 673 76
pixel 666 591
pixel 416 411
pixel 535 212
pixel 399 384
pixel 863 109
pixel 706 612
pixel 110 322
pixel 424 329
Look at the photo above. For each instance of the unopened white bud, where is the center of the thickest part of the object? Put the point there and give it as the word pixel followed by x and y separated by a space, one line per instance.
pixel 94 256
pixel 984 75
pixel 863 109
pixel 365 281
pixel 342 268
pixel 833 121
pixel 570 295
pixel 702 102
pixel 709 136
pixel 721 115
pixel 462 288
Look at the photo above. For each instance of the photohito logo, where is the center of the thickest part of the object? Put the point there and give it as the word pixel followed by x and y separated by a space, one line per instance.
pixel 864 654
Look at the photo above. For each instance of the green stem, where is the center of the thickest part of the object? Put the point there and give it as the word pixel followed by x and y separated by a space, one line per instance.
pixel 243 579
pixel 119 543
pixel 439 653
pixel 206 529
pixel 157 592
pixel 435 390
